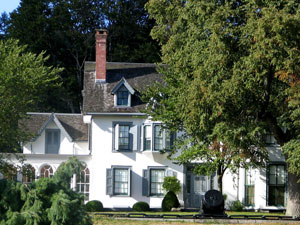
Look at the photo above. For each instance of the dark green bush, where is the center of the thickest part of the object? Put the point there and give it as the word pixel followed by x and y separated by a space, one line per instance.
pixel 236 206
pixel 170 201
pixel 94 206
pixel 141 207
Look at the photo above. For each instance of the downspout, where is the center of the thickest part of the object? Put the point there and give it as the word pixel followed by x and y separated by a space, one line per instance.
pixel 238 185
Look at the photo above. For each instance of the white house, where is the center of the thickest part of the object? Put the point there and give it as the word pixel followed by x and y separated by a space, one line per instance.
pixel 122 147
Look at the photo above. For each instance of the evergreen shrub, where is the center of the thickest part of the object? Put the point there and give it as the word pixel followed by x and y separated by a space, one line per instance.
pixel 170 201
pixel 94 206
pixel 141 207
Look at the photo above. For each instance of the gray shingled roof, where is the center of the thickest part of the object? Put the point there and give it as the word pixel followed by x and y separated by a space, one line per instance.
pixel 98 97
pixel 72 123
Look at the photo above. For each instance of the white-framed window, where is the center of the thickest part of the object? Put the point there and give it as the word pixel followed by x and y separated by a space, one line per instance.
pixel 126 136
pixel 46 171
pixel 83 182
pixel 153 179
pixel 157 138
pixel 118 181
pixel 156 181
pixel 147 137
pixel 249 187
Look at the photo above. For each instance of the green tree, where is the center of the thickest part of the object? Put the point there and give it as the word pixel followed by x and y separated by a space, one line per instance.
pixel 65 31
pixel 44 202
pixel 232 78
pixel 129 29
pixel 24 82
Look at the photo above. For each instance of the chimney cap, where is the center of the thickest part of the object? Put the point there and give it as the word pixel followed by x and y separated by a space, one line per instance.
pixel 101 31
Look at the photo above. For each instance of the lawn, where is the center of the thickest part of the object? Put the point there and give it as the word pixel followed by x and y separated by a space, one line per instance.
pixel 102 220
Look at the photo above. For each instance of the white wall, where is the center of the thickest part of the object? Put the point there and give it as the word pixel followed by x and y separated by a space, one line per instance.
pixel 104 158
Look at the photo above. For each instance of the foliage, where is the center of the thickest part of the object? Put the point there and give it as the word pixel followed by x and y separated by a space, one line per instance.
pixel 65 31
pixel 236 206
pixel 232 78
pixel 141 207
pixel 94 206
pixel 171 184
pixel 24 80
pixel 44 202
pixel 170 201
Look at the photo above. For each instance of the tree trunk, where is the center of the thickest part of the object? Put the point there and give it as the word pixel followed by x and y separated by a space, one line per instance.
pixel 293 196
pixel 220 183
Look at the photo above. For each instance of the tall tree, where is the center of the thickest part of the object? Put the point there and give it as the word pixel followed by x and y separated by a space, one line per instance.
pixel 65 30
pixel 129 29
pixel 232 77
pixel 24 81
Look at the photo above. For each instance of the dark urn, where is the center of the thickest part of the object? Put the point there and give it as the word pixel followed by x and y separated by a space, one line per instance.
pixel 213 203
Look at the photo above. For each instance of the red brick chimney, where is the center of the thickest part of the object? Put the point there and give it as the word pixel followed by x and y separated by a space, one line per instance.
pixel 101 36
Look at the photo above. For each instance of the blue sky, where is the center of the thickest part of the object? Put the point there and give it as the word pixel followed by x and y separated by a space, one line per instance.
pixel 8 5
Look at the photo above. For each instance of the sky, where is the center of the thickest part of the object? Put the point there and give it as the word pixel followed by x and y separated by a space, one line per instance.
pixel 8 5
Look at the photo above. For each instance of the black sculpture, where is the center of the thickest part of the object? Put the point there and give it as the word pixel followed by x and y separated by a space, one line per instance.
pixel 213 203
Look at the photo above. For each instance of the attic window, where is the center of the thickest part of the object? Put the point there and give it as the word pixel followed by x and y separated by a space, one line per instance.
pixel 122 96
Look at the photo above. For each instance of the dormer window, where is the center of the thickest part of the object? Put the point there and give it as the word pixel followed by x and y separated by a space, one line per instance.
pixel 122 94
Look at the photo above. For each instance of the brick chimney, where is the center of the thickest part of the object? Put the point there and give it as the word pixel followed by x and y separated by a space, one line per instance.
pixel 101 36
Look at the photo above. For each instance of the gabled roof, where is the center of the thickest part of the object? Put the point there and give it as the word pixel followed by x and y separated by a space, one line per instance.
pixel 123 82
pixel 70 124
pixel 98 97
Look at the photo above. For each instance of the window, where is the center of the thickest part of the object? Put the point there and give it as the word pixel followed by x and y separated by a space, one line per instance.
pixel 121 181
pixel 156 181
pixel 122 96
pixel 46 171
pixel 118 181
pixel 52 141
pixel 28 174
pixel 158 137
pixel 10 173
pixel 276 185
pixel 162 139
pixel 126 136
pixel 123 137
pixel 249 187
pixel 83 182
pixel 147 137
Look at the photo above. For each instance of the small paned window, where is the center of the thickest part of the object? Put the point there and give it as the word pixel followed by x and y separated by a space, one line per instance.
pixel 46 171
pixel 124 137
pixel 158 137
pixel 276 185
pixel 121 181
pixel 147 137
pixel 118 181
pixel 249 187
pixel 156 181
pixel 122 96
pixel 28 174
pixel 83 183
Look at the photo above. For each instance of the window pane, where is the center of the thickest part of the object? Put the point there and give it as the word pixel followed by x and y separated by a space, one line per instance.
pixel 121 181
pixel 281 175
pixel 158 137
pixel 123 137
pixel 156 180
pixel 147 137
pixel 122 96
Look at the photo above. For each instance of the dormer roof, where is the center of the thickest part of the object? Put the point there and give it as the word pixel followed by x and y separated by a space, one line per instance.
pixel 120 84
pixel 70 124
